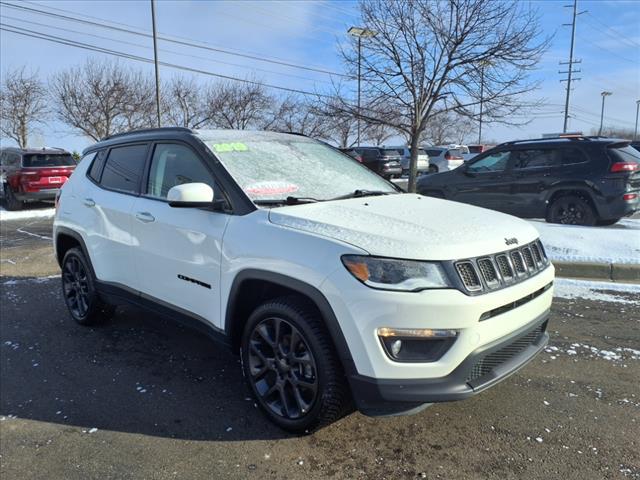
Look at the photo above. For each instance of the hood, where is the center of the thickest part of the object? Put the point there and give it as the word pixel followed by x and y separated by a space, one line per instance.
pixel 408 226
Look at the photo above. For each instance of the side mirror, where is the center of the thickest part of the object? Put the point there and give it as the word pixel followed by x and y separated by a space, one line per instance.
pixel 191 195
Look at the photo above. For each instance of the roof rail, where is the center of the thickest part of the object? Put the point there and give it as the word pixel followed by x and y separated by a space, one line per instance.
pixel 547 139
pixel 148 130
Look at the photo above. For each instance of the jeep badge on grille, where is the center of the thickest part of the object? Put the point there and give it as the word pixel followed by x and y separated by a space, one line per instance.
pixel 511 241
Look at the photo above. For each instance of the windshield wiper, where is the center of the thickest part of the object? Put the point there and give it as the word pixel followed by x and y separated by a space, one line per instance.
pixel 363 193
pixel 287 201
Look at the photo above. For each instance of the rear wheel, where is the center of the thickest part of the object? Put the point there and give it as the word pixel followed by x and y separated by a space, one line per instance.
pixel 433 169
pixel 10 200
pixel 291 366
pixel 571 210
pixel 79 290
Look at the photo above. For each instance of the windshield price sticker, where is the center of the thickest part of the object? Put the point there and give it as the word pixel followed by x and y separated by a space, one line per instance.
pixel 230 147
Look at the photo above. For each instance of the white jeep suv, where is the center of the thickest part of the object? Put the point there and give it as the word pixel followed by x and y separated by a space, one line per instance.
pixel 336 289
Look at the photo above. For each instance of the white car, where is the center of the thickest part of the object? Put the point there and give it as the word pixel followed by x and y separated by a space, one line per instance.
pixel 444 159
pixel 335 288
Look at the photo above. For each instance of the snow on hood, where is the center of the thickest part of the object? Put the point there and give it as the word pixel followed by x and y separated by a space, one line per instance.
pixel 408 226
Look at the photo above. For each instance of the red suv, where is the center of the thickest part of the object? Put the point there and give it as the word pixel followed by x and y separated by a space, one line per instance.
pixel 28 175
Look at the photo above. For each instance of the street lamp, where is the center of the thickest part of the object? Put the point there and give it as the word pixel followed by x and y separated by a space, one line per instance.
pixel 635 131
pixel 604 94
pixel 360 33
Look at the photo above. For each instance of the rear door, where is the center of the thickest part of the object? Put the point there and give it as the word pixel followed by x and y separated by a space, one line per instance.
pixel 177 252
pixel 485 182
pixel 535 170
pixel 104 210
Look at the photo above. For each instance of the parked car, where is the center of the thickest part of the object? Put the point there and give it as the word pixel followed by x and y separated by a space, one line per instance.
pixel 333 287
pixel 636 145
pixel 29 175
pixel 444 159
pixel 578 181
pixel 404 153
pixel 373 158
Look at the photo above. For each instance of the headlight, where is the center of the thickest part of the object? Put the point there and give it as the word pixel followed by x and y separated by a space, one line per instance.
pixel 396 274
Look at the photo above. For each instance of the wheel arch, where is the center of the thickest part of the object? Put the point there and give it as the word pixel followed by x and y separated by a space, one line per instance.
pixel 578 190
pixel 66 239
pixel 252 287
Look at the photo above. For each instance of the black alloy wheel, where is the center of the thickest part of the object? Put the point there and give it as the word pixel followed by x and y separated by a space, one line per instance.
pixel 78 290
pixel 75 286
pixel 282 368
pixel 571 210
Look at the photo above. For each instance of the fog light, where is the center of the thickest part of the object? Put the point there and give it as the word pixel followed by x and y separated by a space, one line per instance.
pixel 416 344
pixel 396 345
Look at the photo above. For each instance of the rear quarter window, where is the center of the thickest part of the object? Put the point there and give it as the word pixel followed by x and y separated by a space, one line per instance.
pixel 625 154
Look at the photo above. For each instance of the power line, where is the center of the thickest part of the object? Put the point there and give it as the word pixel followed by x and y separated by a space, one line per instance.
pixel 124 42
pixel 605 49
pixel 95 48
pixel 616 35
pixel 202 45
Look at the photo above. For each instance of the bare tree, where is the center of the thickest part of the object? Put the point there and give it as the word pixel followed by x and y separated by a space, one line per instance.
pixel 429 57
pixel 298 114
pixel 448 128
pixel 23 104
pixel 238 105
pixel 103 98
pixel 183 103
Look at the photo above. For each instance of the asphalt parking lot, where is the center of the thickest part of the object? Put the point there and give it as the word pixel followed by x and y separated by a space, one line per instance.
pixel 143 398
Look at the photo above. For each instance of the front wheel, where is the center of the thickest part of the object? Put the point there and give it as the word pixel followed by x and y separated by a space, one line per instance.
pixel 571 210
pixel 291 366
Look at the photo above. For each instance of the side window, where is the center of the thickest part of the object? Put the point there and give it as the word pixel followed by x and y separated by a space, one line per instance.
pixel 94 169
pixel 571 156
pixel 496 162
pixel 524 159
pixel 174 164
pixel 123 168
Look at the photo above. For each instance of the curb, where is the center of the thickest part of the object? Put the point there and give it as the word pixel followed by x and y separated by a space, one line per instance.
pixel 616 272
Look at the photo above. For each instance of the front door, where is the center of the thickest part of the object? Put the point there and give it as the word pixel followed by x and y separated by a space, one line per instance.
pixel 178 250
pixel 485 182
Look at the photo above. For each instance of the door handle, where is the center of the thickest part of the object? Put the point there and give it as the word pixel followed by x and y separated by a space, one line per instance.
pixel 145 217
pixel 89 202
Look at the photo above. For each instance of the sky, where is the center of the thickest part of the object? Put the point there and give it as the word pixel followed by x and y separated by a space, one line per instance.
pixel 307 34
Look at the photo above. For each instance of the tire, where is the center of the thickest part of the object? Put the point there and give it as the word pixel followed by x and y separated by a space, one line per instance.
pixel 571 210
pixel 79 292
pixel 606 223
pixel 10 200
pixel 433 169
pixel 300 389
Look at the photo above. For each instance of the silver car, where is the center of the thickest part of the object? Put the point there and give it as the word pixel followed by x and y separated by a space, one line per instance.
pixel 405 158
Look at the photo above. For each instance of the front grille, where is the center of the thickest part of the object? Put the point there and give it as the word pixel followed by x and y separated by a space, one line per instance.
pixel 468 276
pixel 488 271
pixel 486 364
pixel 518 263
pixel 502 269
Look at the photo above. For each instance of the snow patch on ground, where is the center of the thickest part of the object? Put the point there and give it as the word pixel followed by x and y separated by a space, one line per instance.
pixel 619 243
pixel 21 214
pixel 18 281
pixel 598 291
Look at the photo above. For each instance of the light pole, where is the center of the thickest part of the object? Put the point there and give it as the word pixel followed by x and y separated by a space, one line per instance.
pixel 155 58
pixel 635 131
pixel 482 67
pixel 604 94
pixel 360 33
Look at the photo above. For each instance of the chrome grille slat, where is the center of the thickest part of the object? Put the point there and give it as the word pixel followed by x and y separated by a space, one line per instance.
pixel 502 269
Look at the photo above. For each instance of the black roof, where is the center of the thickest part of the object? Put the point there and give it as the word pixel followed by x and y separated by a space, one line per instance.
pixel 567 140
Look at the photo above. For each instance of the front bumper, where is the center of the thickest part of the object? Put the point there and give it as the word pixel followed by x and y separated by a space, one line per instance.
pixel 485 367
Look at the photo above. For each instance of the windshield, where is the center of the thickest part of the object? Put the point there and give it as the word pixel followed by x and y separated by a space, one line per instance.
pixel 47 160
pixel 274 167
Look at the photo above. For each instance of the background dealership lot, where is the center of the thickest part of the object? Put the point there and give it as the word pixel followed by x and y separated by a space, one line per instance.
pixel 143 398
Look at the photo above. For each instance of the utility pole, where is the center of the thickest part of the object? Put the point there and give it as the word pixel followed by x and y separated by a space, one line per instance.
pixel 360 32
pixel 155 58
pixel 604 94
pixel 635 131
pixel 570 71
pixel 483 65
